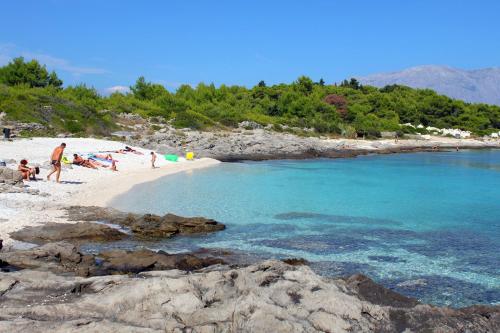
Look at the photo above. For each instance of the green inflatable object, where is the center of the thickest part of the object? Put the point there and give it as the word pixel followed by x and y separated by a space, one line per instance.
pixel 171 157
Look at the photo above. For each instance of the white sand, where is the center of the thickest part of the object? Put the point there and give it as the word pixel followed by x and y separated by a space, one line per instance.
pixel 80 186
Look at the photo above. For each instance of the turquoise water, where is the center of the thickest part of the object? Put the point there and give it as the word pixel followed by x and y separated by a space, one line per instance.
pixel 424 224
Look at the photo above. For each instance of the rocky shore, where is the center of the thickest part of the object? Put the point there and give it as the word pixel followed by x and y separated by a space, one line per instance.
pixel 56 287
pixel 270 296
pixel 262 144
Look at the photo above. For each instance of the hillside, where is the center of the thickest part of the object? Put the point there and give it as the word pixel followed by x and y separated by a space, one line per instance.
pixel 303 106
pixel 476 86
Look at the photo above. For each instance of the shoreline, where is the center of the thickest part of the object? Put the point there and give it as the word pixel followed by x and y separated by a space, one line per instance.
pixel 82 186
pixel 353 153
pixel 111 188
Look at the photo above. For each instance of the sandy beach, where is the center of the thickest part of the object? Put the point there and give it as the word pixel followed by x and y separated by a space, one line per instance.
pixel 79 185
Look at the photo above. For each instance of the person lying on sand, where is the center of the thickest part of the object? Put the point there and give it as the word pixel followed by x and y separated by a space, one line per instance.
pixel 28 173
pixel 108 157
pixel 78 160
pixel 153 160
pixel 56 161
pixel 130 150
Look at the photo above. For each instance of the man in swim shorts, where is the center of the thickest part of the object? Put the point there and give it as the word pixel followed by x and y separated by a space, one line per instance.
pixel 56 161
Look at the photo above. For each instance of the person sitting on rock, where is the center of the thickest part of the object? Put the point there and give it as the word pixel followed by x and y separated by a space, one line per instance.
pixel 78 160
pixel 28 173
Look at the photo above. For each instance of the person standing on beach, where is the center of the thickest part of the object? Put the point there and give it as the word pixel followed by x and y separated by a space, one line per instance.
pixel 153 160
pixel 56 161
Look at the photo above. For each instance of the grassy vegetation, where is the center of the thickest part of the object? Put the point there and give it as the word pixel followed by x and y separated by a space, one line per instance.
pixel 348 109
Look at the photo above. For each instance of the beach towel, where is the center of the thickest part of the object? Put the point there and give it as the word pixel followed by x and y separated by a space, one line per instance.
pixel 65 160
pixel 171 157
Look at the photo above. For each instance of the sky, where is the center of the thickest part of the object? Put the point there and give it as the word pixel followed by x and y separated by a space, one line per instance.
pixel 108 44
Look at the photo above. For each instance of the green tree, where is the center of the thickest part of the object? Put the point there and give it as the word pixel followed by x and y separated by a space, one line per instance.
pixel 30 73
pixel 304 85
pixel 262 84
pixel 147 90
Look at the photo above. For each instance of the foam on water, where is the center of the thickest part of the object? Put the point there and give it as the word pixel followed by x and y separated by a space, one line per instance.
pixel 396 218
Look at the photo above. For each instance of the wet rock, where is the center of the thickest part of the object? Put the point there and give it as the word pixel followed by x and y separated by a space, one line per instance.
pixel 148 225
pixel 295 261
pixel 71 232
pixel 376 294
pixel 120 261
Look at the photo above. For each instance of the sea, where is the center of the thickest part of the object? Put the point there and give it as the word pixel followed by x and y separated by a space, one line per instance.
pixel 425 224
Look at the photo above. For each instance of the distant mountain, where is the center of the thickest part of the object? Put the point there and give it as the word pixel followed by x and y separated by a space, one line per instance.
pixel 479 85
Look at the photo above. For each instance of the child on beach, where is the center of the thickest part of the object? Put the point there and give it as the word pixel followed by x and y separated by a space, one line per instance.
pixel 56 161
pixel 153 160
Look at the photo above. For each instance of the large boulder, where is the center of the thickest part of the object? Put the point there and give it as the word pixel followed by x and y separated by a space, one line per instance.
pixel 11 177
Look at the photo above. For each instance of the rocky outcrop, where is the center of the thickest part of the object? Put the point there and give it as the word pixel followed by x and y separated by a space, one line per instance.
pixel 263 144
pixel 61 257
pixel 267 297
pixel 64 257
pixel 72 232
pixel 148 226
pixel 121 262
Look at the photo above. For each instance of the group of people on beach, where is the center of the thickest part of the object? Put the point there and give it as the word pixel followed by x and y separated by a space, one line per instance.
pixel 29 173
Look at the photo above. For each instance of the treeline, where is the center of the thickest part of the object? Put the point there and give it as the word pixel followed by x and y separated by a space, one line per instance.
pixel 29 93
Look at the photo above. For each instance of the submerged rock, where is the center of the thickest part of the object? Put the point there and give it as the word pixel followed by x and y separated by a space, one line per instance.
pixel 148 225
pixel 267 297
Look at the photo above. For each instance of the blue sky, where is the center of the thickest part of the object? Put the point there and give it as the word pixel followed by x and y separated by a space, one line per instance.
pixel 110 43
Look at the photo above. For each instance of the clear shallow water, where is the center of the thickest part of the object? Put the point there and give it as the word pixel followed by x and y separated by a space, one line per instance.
pixel 424 224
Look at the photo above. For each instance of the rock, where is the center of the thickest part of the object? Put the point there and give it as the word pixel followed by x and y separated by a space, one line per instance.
pixel 267 297
pixel 295 261
pixel 119 261
pixel 153 226
pixel 249 125
pixel 11 177
pixel 57 257
pixel 148 225
pixel 376 294
pixel 71 232
pixel 63 257
pixel 19 188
